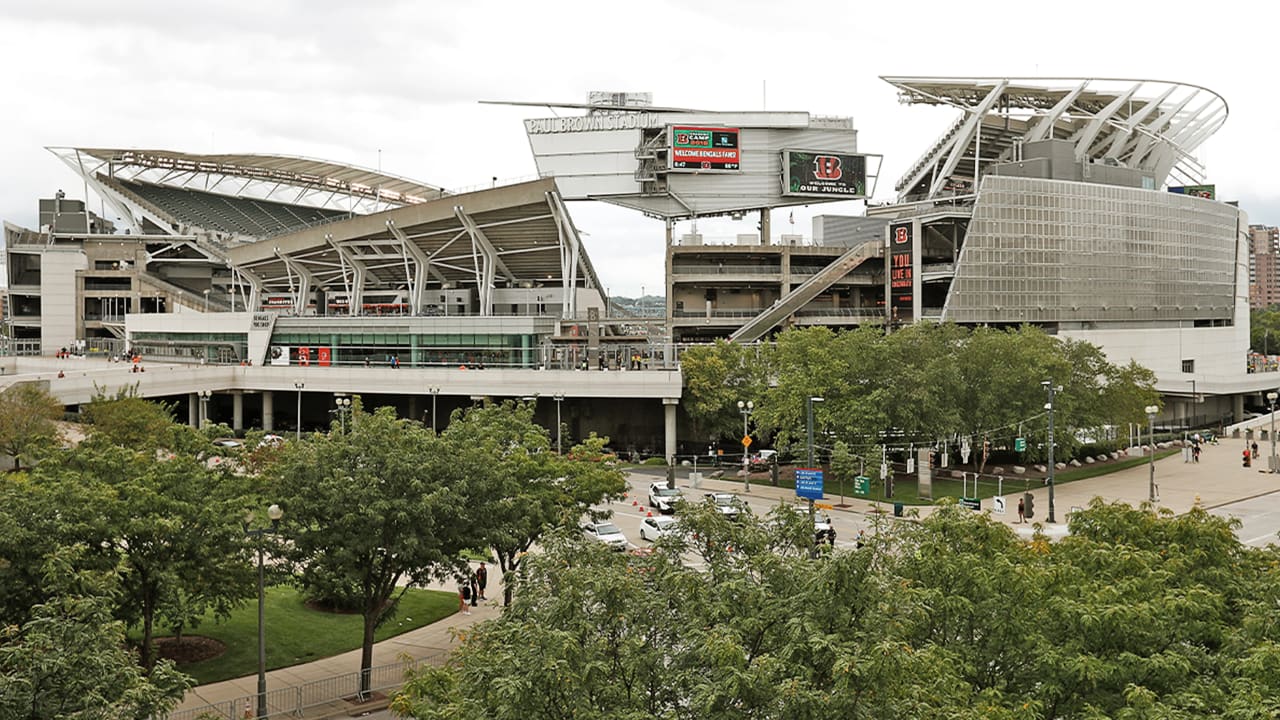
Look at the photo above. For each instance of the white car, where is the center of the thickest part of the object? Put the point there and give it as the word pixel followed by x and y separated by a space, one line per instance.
pixel 607 533
pixel 663 497
pixel 727 503
pixel 652 528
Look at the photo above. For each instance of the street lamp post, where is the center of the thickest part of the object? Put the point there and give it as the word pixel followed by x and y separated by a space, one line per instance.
pixel 206 300
pixel 204 407
pixel 1151 411
pixel 274 513
pixel 1272 465
pixel 808 406
pixel 344 407
pixel 434 392
pixel 298 385
pixel 746 408
pixel 559 397
pixel 1048 385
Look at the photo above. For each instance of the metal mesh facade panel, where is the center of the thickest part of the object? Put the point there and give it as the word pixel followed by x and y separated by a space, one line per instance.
pixel 1056 251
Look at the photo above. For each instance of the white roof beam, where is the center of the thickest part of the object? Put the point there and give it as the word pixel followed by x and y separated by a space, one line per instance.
pixel 1042 129
pixel 963 138
pixel 1126 131
pixel 1090 133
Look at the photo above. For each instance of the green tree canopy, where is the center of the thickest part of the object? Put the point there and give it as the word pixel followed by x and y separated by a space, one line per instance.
pixel 28 415
pixel 1136 615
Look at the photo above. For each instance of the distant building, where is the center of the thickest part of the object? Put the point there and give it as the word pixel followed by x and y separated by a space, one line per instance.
pixel 1264 266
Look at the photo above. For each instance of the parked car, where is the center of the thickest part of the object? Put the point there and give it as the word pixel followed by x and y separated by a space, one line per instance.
pixel 652 528
pixel 229 442
pixel 663 497
pixel 728 504
pixel 607 533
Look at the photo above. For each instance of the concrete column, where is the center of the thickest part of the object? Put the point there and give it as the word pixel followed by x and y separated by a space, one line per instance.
pixel 193 410
pixel 415 413
pixel 268 411
pixel 237 411
pixel 1237 407
pixel 669 418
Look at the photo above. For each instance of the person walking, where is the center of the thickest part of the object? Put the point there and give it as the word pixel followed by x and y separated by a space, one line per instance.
pixel 475 591
pixel 482 579
pixel 1022 511
pixel 464 594
pixel 1255 450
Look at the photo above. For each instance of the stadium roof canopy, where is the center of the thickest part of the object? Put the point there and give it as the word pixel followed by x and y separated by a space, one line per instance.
pixel 514 236
pixel 1149 125
pixel 280 179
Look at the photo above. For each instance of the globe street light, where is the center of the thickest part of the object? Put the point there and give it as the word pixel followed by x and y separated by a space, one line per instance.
pixel 204 407
pixel 434 392
pixel 746 408
pixel 1151 411
pixel 559 398
pixel 344 407
pixel 1271 398
pixel 1048 385
pixel 298 385
pixel 274 513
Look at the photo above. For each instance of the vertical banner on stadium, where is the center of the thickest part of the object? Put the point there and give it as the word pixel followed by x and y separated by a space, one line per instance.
pixel 901 276
pixel 304 356
pixel 323 356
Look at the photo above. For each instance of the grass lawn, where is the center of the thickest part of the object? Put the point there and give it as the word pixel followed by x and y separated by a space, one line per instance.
pixel 907 493
pixel 297 634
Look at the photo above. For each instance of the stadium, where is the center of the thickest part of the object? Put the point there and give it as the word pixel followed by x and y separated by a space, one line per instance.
pixel 1075 205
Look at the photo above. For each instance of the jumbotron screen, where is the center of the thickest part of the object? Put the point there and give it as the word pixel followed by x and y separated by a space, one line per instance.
pixel 704 149
pixel 824 174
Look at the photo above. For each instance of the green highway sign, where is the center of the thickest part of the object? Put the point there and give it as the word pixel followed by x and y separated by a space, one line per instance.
pixel 861 485
pixel 1019 444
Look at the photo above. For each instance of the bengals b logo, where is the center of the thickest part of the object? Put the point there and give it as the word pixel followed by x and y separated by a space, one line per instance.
pixel 827 167
pixel 900 235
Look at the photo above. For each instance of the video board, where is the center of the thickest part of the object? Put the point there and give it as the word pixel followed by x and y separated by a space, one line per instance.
pixel 810 173
pixel 704 149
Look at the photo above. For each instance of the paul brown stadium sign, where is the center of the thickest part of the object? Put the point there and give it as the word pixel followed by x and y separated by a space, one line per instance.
pixel 592 123
pixel 810 173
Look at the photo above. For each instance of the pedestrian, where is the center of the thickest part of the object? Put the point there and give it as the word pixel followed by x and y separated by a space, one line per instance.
pixel 1195 453
pixel 1022 510
pixel 482 579
pixel 464 594
pixel 862 536
pixel 475 591
pixel 831 536
pixel 1255 450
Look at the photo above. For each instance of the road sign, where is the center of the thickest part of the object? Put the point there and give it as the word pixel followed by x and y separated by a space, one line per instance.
pixel 971 503
pixel 861 485
pixel 746 441
pixel 809 483
pixel 997 504
pixel 1019 444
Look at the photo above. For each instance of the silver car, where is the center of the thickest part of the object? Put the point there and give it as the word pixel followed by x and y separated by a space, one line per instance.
pixel 607 533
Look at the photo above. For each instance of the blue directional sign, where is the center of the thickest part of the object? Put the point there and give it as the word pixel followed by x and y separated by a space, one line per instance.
pixel 809 483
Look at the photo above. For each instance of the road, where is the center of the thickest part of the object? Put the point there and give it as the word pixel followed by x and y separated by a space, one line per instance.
pixel 628 517
pixel 1259 517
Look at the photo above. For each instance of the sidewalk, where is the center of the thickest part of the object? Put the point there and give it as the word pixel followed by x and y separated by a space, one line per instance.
pixel 431 642
pixel 1218 479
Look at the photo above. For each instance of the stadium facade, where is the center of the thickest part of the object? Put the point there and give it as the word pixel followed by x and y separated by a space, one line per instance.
pixel 1074 205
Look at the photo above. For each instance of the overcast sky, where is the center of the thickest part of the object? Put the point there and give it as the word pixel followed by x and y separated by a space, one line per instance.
pixel 342 80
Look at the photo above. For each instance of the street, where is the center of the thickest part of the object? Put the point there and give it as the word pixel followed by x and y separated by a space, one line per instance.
pixel 1259 517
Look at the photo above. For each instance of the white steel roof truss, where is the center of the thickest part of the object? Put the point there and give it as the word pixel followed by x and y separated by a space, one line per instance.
pixel 570 247
pixel 302 287
pixel 1090 132
pixel 416 280
pixel 1121 138
pixel 485 261
pixel 1044 127
pixel 965 136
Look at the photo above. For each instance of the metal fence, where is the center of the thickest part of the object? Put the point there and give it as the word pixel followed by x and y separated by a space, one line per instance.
pixel 318 698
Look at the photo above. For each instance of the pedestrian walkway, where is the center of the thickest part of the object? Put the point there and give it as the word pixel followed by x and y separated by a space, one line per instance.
pixel 430 643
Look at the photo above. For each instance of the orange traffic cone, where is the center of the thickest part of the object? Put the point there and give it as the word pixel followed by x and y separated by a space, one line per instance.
pixel 648 515
pixel 635 502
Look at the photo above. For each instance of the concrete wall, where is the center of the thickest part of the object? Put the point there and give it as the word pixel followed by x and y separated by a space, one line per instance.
pixel 58 326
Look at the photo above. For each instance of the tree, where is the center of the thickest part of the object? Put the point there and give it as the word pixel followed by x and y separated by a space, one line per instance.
pixel 128 420
pixel 518 490
pixel 168 522
pixel 370 513
pixel 717 377
pixel 28 415
pixel 1137 614
pixel 70 662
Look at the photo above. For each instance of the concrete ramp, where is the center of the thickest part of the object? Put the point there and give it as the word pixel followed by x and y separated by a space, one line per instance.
pixel 756 327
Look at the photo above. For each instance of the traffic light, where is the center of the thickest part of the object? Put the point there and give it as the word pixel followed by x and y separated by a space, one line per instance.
pixel 1029 501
